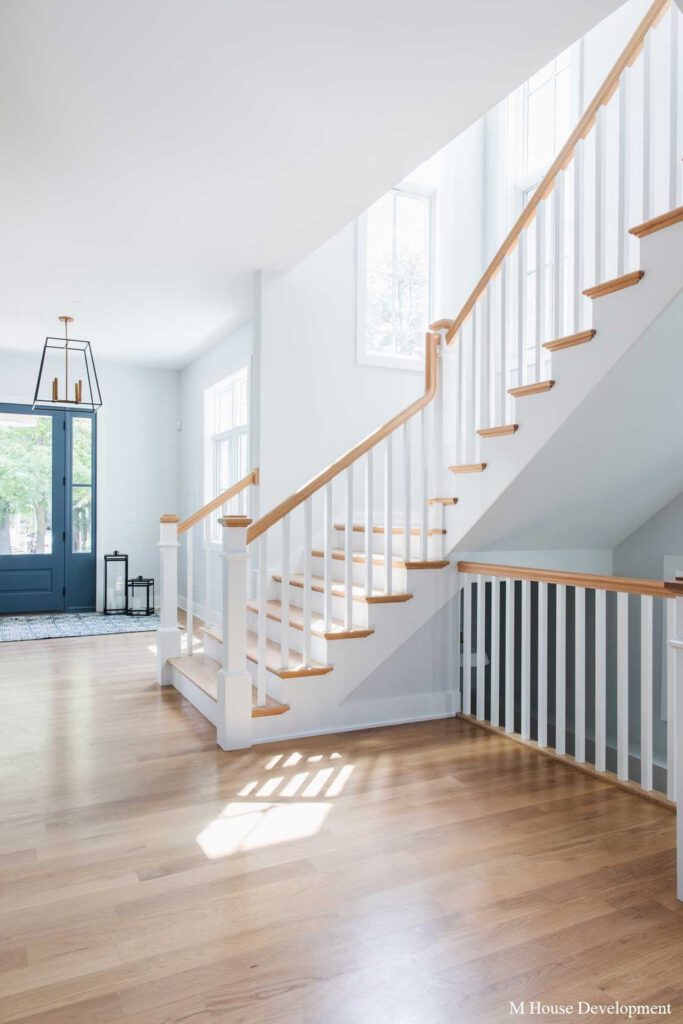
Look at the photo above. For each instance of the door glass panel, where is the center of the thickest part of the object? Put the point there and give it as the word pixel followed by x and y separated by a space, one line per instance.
pixel 81 451
pixel 81 520
pixel 25 484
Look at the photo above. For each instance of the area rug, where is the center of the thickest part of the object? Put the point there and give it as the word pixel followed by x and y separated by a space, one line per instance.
pixel 54 626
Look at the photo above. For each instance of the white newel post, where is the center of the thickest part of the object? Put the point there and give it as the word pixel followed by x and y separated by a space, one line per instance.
pixel 168 634
pixel 234 680
pixel 676 642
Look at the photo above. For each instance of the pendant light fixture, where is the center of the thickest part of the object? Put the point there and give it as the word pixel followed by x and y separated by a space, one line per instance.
pixel 67 378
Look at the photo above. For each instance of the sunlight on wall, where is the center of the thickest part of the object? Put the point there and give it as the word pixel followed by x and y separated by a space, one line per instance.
pixel 252 824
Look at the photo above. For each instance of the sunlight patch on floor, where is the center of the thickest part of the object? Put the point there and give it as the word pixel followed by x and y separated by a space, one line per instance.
pixel 263 821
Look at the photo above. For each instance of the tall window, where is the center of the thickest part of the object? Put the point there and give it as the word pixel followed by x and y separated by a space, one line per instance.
pixel 548 114
pixel 395 277
pixel 227 440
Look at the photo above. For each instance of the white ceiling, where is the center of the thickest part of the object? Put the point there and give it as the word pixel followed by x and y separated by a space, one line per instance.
pixel 156 153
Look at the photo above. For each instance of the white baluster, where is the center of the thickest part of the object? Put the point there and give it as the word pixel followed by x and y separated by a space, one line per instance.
pixel 526 659
pixel 560 668
pixel 558 256
pixel 234 688
pixel 539 325
pixel 308 579
pixel 580 675
pixel 481 648
pixel 262 599
pixel 284 597
pixel 348 552
pixel 509 655
pixel 208 572
pixel 671 695
pixel 189 595
pixel 168 634
pixel 646 692
pixel 647 126
pixel 502 339
pixel 599 153
pixel 674 156
pixel 622 687
pixel 495 651
pixel 406 487
pixel 467 648
pixel 600 679
pixel 369 525
pixel 543 664
pixel 521 307
pixel 577 237
pixel 622 176
pixel 460 450
pixel 457 627
pixel 388 514
pixel 483 418
pixel 327 559
pixel 424 491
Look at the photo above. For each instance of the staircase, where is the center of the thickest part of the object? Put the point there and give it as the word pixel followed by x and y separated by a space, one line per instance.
pixel 323 592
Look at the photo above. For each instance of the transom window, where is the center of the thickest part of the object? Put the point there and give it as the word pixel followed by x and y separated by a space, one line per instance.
pixel 395 277
pixel 227 441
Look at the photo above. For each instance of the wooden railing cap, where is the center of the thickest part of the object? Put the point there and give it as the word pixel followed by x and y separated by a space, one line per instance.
pixel 221 499
pixel 169 519
pixel 590 581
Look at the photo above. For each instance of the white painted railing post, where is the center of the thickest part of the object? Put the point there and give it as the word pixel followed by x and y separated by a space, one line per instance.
pixel 168 634
pixel 233 724
pixel 676 644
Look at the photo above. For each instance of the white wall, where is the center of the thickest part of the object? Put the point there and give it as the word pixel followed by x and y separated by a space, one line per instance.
pixel 137 454
pixel 226 357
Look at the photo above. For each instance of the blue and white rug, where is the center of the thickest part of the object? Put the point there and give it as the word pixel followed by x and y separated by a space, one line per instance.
pixel 54 626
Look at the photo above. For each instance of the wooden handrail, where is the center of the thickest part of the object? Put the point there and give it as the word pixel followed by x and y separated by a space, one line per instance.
pixel 619 584
pixel 211 506
pixel 604 93
pixel 333 470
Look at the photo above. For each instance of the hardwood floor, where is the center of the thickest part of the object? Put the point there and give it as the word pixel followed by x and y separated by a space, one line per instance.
pixel 424 874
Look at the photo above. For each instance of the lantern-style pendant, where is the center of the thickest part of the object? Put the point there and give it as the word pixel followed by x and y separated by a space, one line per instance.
pixel 67 378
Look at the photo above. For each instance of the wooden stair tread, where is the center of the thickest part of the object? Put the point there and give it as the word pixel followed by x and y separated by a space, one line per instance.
pixel 442 501
pixel 202 670
pixel 339 590
pixel 664 220
pixel 472 467
pixel 504 431
pixel 531 389
pixel 339 554
pixel 615 285
pixel 296 621
pixel 569 341
pixel 415 531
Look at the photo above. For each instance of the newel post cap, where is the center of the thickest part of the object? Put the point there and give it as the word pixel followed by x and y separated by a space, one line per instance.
pixel 169 519
pixel 234 521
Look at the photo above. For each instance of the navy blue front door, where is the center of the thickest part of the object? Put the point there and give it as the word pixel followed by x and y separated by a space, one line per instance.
pixel 47 510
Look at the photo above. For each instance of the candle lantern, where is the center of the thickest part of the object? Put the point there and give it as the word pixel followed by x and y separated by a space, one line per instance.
pixel 115 584
pixel 141 596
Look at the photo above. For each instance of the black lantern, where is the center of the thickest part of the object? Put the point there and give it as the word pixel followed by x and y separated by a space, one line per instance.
pixel 140 596
pixel 67 378
pixel 115 584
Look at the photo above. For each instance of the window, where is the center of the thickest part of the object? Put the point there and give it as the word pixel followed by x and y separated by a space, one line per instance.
pixel 547 114
pixel 227 441
pixel 81 485
pixel 395 277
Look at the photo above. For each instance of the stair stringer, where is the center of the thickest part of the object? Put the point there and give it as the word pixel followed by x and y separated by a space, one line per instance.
pixel 315 702
pixel 619 319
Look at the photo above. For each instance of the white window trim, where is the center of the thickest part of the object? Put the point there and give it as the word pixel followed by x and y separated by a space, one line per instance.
pixel 393 362
pixel 212 441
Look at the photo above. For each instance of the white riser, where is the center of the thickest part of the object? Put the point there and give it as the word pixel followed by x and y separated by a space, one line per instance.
pixel 434 548
pixel 398 576
pixel 361 611
pixel 296 637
